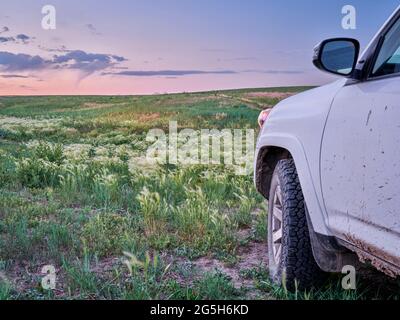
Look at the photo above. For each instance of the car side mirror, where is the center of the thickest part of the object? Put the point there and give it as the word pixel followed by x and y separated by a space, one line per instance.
pixel 338 56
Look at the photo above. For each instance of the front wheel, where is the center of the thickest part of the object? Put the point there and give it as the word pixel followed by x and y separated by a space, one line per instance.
pixel 291 261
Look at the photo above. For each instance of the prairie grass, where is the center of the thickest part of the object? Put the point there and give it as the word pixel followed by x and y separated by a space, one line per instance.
pixel 75 194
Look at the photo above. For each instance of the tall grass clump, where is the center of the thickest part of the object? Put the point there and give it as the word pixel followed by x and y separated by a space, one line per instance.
pixel 42 168
pixel 107 233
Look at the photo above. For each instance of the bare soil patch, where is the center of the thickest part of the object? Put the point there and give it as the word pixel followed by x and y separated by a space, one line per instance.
pixel 91 106
pixel 146 117
pixel 252 256
pixel 272 95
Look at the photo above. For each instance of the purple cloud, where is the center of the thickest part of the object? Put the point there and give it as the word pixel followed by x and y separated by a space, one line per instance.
pixel 4 29
pixel 20 62
pixel 23 37
pixel 7 39
pixel 93 29
pixel 75 59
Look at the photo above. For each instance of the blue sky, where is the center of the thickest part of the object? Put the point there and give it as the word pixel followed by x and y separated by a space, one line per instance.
pixel 150 46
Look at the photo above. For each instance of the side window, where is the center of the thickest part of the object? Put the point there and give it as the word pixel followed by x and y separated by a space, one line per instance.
pixel 388 61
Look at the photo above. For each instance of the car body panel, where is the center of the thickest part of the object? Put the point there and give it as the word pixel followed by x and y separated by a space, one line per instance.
pixel 360 168
pixel 289 130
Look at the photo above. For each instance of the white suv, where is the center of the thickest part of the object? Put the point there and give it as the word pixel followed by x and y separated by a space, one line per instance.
pixel 328 161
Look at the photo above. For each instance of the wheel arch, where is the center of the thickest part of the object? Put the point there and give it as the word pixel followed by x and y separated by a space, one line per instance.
pixel 274 147
pixel 267 159
pixel 330 256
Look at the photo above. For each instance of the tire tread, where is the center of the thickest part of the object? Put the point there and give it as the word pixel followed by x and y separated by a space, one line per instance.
pixel 298 263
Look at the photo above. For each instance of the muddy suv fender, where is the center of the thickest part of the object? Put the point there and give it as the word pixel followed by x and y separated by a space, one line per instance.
pixel 294 129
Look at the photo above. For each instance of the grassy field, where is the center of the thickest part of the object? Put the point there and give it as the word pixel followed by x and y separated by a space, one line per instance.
pixel 74 195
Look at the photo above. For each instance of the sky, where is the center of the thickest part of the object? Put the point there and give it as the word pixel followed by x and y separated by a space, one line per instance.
pixel 159 46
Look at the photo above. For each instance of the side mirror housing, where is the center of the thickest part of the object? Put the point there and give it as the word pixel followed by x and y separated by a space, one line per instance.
pixel 338 56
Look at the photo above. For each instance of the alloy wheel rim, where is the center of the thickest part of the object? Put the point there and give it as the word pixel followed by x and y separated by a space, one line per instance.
pixel 277 225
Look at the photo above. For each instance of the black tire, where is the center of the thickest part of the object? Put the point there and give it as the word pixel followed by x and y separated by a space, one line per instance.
pixel 296 267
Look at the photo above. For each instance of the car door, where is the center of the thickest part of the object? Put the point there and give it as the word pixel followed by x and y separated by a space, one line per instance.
pixel 360 157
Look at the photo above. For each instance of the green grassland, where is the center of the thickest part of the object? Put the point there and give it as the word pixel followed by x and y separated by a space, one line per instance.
pixel 71 196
